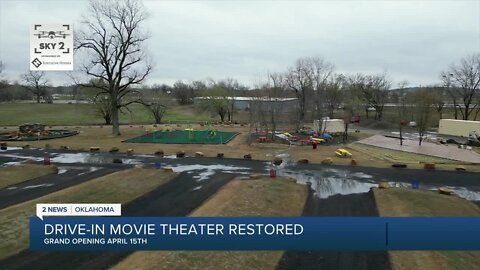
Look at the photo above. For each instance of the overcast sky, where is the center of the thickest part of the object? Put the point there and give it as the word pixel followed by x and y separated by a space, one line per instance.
pixel 193 40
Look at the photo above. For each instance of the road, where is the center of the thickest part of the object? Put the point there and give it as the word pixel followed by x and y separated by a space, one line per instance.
pixel 43 185
pixel 339 205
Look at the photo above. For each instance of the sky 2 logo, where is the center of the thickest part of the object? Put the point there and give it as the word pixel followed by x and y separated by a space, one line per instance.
pixel 45 34
pixel 51 47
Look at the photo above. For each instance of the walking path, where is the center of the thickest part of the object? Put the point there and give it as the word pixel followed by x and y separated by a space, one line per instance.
pixel 429 149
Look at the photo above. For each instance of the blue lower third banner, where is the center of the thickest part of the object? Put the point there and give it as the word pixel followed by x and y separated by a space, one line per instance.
pixel 254 233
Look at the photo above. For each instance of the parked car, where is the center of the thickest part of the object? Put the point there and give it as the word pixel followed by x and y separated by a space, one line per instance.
pixel 355 119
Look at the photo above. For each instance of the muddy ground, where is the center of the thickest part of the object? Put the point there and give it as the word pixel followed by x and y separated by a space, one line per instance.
pixel 362 204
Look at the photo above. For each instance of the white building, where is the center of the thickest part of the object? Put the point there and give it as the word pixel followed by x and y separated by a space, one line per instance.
pixel 458 127
pixel 245 103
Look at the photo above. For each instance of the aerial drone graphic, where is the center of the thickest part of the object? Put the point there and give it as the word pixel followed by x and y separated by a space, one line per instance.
pixel 51 34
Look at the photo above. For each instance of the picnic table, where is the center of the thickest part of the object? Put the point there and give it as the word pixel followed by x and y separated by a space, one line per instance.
pixel 262 139
pixel 305 141
pixel 294 138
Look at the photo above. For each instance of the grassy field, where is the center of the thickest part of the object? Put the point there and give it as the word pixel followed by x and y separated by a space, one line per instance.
pixel 120 187
pixel 17 174
pixel 85 114
pixel 408 202
pixel 259 197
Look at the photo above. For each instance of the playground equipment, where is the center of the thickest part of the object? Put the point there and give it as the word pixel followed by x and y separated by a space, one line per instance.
pixel 211 131
pixel 185 136
pixel 212 134
pixel 325 136
pixel 150 129
pixel 317 140
pixel 343 153
pixel 190 133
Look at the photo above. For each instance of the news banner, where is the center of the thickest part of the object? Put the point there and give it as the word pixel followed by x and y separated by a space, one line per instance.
pixel 101 227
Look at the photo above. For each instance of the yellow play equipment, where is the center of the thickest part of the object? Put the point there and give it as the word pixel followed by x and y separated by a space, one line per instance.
pixel 343 153
pixel 150 129
pixel 318 140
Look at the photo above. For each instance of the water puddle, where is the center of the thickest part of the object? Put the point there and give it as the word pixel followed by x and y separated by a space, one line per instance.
pixel 37 186
pixel 9 148
pixel 203 172
pixel 331 182
pixel 70 158
pixel 196 188
pixel 21 158
pixel 463 193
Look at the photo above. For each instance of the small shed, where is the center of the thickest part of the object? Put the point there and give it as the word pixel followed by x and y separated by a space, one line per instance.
pixel 456 127
pixel 332 126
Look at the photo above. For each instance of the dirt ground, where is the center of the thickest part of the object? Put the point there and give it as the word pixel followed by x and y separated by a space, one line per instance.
pixel 408 202
pixel 100 137
pixel 258 197
pixel 16 174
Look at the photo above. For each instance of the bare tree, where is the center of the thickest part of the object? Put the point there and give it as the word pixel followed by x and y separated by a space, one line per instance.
pixel 334 93
pixel 215 100
pixel 352 104
pixel 114 41
pixel 3 83
pixel 424 101
pixel 183 92
pixel 373 89
pixel 232 87
pixel 308 79
pixel 103 108
pixel 447 82
pixel 323 87
pixel 464 82
pixel 401 108
pixel 298 79
pixel 36 83
pixel 157 103
pixel 271 108
pixel 439 100
pixel 75 85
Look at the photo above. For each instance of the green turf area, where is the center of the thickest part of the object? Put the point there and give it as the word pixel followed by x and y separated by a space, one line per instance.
pixel 185 137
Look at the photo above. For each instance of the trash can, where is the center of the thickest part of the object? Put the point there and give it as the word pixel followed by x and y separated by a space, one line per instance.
pixel 46 159
pixel 415 184
pixel 273 172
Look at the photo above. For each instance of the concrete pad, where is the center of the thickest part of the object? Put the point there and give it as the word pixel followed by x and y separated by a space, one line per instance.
pixel 430 149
